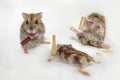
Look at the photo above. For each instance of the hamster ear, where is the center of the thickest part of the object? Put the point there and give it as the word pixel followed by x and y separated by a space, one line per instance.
pixel 69 45
pixel 58 45
pixel 40 14
pixel 25 15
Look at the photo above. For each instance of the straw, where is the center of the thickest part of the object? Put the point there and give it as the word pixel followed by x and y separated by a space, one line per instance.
pixel 82 23
pixel 54 45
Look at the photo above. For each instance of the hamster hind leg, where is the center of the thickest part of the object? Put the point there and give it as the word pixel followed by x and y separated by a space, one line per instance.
pixel 105 46
pixel 95 43
pixel 84 41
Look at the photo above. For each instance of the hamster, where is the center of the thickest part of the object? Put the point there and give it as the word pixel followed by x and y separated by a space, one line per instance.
pixel 32 24
pixel 94 31
pixel 98 27
pixel 67 54
pixel 73 56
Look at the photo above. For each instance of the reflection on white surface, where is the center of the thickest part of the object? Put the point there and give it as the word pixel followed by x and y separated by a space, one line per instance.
pixel 58 17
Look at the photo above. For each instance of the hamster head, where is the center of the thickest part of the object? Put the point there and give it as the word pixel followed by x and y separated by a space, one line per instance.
pixel 96 18
pixel 63 46
pixel 32 22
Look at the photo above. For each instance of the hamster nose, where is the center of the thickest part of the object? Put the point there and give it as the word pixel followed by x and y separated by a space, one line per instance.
pixel 31 28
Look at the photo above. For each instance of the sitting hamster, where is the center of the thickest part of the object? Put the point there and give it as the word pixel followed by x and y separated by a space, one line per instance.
pixel 96 25
pixel 32 24
pixel 94 32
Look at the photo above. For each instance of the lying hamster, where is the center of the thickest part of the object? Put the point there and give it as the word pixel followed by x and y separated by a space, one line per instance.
pixel 70 55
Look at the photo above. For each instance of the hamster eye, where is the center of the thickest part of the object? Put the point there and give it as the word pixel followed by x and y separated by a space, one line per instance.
pixel 96 16
pixel 26 22
pixel 36 21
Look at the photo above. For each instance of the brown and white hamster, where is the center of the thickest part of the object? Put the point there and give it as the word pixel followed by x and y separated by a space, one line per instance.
pixel 67 54
pixel 94 32
pixel 98 26
pixel 72 56
pixel 32 24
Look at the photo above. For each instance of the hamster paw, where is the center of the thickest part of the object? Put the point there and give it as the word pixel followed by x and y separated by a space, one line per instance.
pixel 45 42
pixel 50 60
pixel 26 51
pixel 74 30
pixel 105 46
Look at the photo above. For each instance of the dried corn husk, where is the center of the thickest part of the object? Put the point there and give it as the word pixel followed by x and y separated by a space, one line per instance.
pixel 84 72
pixel 106 50
pixel 54 45
pixel 82 23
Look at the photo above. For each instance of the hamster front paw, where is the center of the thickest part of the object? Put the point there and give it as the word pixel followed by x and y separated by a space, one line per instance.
pixel 26 51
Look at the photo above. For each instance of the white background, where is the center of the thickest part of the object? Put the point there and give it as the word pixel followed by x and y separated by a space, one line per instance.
pixel 58 16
